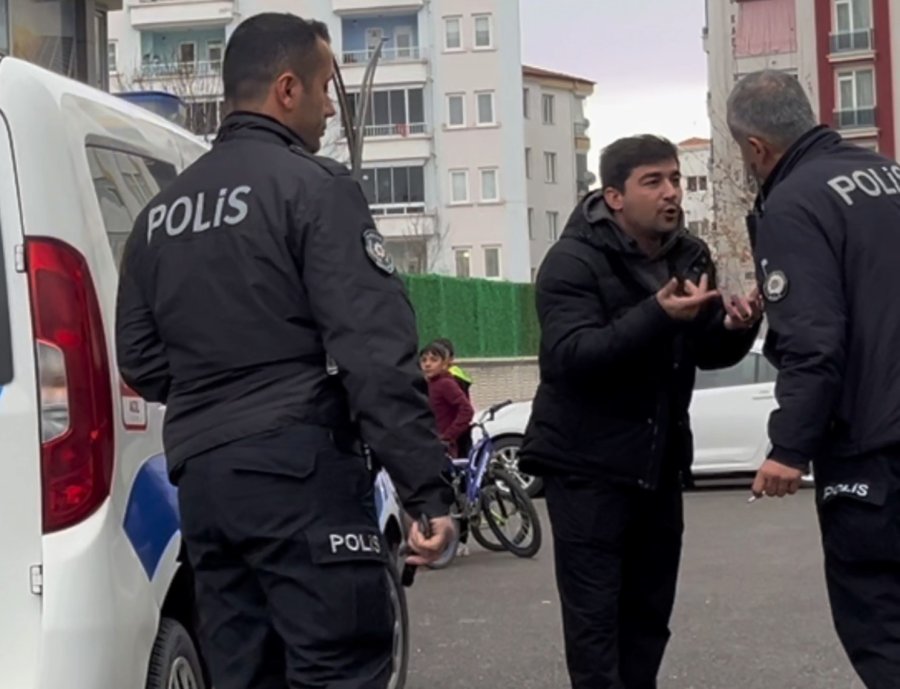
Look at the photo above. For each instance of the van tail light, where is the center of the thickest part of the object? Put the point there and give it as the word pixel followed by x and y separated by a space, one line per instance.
pixel 77 432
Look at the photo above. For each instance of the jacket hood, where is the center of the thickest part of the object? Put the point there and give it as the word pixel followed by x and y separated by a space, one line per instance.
pixel 596 225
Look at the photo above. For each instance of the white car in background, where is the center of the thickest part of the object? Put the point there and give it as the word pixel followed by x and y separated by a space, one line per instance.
pixel 729 417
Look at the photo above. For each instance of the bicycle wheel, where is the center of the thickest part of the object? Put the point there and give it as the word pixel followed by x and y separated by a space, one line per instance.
pixel 483 534
pixel 511 509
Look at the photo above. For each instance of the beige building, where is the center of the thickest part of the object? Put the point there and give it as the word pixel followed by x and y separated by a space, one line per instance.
pixel 556 151
pixel 694 158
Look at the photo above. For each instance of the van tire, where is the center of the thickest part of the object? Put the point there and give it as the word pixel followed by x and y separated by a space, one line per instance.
pixel 174 654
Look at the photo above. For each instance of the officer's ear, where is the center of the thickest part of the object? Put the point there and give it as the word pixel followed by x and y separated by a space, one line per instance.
pixel 288 90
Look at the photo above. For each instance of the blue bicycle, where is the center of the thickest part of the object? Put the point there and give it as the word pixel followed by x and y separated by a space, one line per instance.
pixel 489 502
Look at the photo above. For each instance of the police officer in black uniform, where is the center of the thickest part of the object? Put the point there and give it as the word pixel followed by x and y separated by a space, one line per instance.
pixel 826 237
pixel 257 302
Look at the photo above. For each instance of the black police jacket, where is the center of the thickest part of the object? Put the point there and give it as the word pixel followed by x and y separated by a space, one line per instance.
pixel 246 281
pixel 617 373
pixel 826 238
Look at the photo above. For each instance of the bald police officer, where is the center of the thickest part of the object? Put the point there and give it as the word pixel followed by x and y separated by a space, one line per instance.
pixel 826 239
pixel 243 284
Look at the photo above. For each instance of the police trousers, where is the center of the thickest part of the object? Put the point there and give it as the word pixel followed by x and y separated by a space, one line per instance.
pixel 617 552
pixel 289 566
pixel 858 504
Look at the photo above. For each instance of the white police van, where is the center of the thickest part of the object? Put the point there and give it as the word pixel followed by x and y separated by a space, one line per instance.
pixel 94 592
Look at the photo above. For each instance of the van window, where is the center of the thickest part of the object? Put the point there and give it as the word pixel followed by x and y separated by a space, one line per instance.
pixel 125 183
pixel 6 372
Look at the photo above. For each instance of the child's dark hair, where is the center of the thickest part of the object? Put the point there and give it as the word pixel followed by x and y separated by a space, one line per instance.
pixel 447 344
pixel 435 348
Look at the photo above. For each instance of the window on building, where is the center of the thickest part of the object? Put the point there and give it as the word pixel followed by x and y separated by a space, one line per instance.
pixel 204 116
pixel 215 50
pixel 553 225
pixel 702 183
pixel 187 53
pixel 394 190
pixel 463 258
pixel 697 183
pixel 526 109
pixel 483 31
pixel 459 186
pixel 492 261
pixel 490 189
pixel 550 168
pixel 528 163
pixel 486 108
pixel 856 98
pixel 410 255
pixel 452 33
pixel 456 110
pixel 392 112
pixel 124 183
pixel 531 223
pixel 852 25
pixel 695 227
pixel 112 56
pixel 548 106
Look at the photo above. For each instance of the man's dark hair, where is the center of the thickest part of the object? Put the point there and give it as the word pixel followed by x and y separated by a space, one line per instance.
pixel 266 45
pixel 447 344
pixel 772 106
pixel 621 157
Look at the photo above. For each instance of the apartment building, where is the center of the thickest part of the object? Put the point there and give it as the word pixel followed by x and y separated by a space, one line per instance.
pixel 556 153
pixel 66 36
pixel 694 157
pixel 444 161
pixel 845 54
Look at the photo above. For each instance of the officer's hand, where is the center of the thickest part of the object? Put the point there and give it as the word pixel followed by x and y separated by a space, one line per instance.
pixel 428 550
pixel 775 478
pixel 742 313
pixel 684 304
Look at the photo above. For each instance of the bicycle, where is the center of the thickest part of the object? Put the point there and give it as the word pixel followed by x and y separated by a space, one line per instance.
pixel 486 494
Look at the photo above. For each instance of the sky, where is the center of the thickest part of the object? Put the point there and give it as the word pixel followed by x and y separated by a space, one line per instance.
pixel 646 56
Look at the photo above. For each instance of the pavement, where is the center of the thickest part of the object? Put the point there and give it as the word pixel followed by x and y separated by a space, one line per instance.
pixel 751 613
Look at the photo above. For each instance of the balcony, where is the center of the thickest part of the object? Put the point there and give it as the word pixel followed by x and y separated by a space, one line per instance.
pixel 581 129
pixel 169 14
pixel 852 41
pixel 402 59
pixel 187 80
pixel 859 118
pixel 356 6
pixel 386 145
pixel 184 70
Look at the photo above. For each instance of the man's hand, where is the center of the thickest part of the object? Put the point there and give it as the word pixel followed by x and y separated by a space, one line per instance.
pixel 742 313
pixel 775 478
pixel 685 304
pixel 428 550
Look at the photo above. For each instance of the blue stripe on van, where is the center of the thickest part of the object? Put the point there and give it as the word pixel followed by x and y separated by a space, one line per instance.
pixel 151 516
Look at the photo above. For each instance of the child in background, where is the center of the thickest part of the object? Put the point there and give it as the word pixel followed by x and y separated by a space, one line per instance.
pixel 464 444
pixel 452 409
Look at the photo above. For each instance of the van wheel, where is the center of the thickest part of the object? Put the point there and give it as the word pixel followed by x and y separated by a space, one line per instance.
pixel 174 663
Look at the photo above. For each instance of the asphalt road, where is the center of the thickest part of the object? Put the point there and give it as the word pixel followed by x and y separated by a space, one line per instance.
pixel 751 612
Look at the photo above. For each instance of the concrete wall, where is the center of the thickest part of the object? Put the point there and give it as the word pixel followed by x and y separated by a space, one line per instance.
pixel 496 380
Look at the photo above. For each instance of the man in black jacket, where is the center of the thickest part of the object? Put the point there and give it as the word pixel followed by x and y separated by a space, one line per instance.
pixel 628 310
pixel 258 302
pixel 826 239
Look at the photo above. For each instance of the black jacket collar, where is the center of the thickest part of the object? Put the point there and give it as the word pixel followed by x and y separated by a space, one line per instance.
pixel 253 125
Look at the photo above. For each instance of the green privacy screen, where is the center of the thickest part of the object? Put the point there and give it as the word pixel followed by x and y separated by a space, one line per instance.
pixel 483 318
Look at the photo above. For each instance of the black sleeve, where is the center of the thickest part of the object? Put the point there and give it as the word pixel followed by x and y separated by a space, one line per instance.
pixel 369 329
pixel 140 352
pixel 802 282
pixel 714 345
pixel 577 338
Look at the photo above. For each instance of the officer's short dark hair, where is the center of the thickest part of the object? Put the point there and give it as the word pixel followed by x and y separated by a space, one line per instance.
pixel 447 344
pixel 770 105
pixel 266 45
pixel 621 157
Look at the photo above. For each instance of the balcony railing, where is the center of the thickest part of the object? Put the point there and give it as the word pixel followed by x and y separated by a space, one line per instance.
pixel 203 68
pixel 854 119
pixel 411 208
pixel 374 131
pixel 851 41
pixel 356 57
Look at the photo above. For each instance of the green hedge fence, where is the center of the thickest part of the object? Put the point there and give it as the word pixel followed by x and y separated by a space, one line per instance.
pixel 482 317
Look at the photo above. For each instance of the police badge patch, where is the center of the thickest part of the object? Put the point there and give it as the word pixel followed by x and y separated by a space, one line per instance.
pixel 775 288
pixel 377 251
